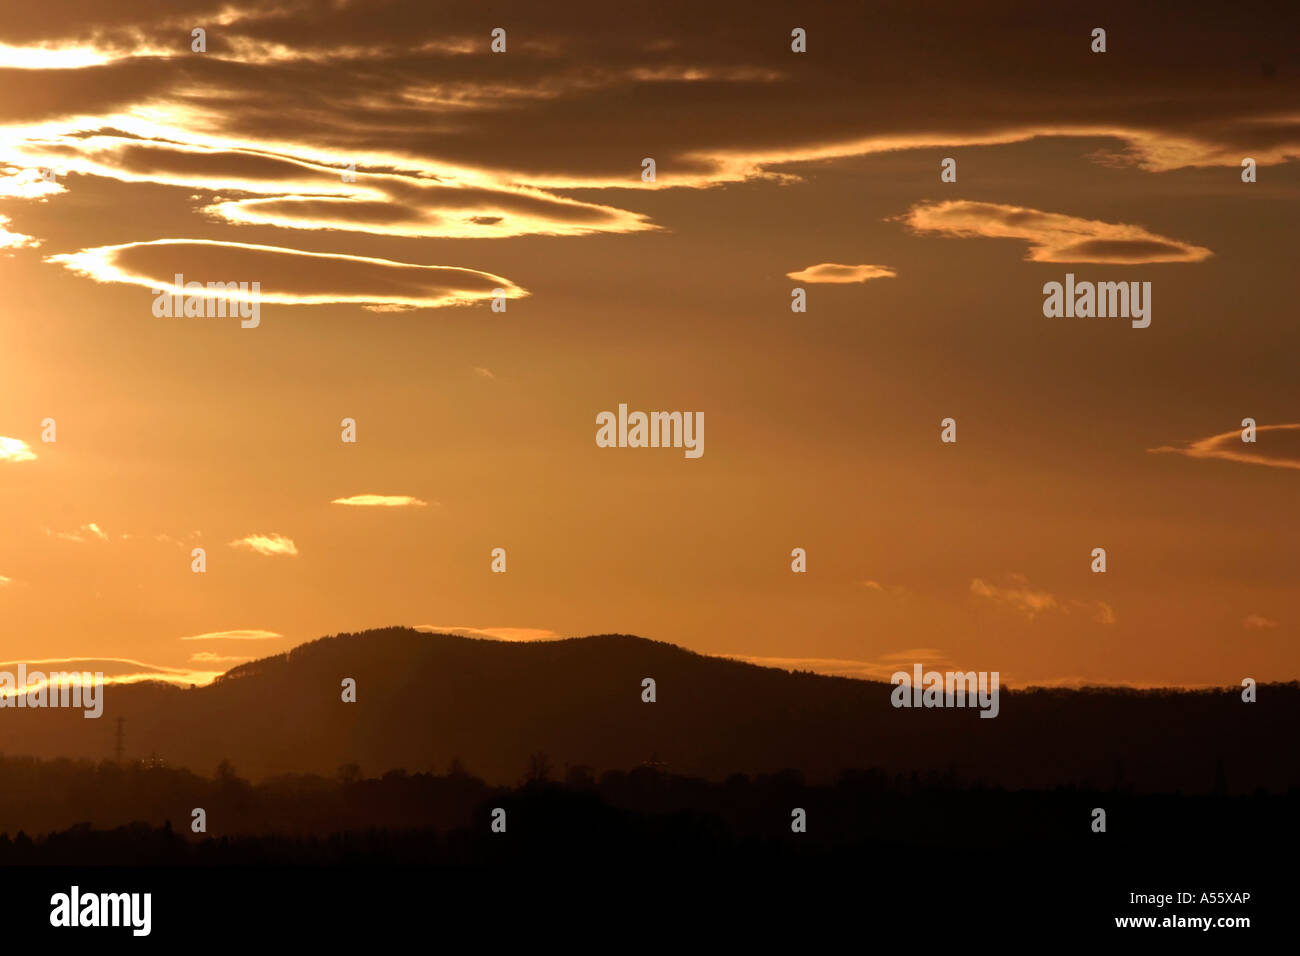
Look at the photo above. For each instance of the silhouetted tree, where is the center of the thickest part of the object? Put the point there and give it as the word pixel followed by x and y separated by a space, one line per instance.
pixel 579 777
pixel 539 768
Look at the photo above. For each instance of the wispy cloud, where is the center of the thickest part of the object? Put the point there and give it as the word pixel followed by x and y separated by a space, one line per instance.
pixel 1228 446
pixel 15 449
pixel 14 240
pixel 493 633
pixel 897 590
pixel 881 669
pixel 268 544
pixel 483 372
pixel 234 635
pixel 116 670
pixel 1052 237
pixel 381 501
pixel 1257 622
pixel 82 534
pixel 210 657
pixel 834 272
pixel 1030 602
pixel 1022 598
pixel 287 276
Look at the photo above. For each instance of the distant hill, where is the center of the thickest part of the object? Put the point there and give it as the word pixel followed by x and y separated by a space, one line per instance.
pixel 426 699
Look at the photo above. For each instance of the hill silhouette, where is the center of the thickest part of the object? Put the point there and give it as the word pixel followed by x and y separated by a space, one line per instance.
pixel 424 700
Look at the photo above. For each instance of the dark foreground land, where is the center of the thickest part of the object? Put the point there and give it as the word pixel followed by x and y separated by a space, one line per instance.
pixel 879 851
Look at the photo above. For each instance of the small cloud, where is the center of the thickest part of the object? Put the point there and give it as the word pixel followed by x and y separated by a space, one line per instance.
pixel 897 590
pixel 493 633
pixel 80 536
pixel 1228 446
pixel 1257 622
pixel 210 657
pixel 883 669
pixel 14 240
pixel 1025 600
pixel 381 501
pixel 288 276
pixel 1052 237
pixel 15 449
pixel 115 670
pixel 1101 612
pixel 483 372
pixel 236 635
pixel 268 544
pixel 5 582
pixel 834 272
pixel 1021 598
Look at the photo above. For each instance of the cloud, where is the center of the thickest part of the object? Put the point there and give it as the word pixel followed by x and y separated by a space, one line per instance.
pixel 1101 612
pixel 15 450
pixel 1257 622
pixel 14 240
pixel 1023 599
pixel 387 196
pixel 381 501
pixel 882 669
pixel 286 276
pixel 16 183
pixel 1076 682
pixel 493 633
pixel 834 272
pixel 268 544
pixel 82 534
pixel 483 372
pixel 5 582
pixel 416 209
pixel 50 57
pixel 897 590
pixel 114 92
pixel 210 657
pixel 116 670
pixel 1052 237
pixel 1282 451
pixel 236 635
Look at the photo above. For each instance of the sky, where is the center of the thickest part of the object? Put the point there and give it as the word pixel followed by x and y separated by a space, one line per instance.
pixel 522 171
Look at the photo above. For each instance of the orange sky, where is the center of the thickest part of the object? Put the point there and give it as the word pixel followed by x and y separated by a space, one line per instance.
pixel 522 170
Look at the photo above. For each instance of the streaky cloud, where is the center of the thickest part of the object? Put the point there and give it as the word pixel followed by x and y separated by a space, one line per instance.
pixel 1228 446
pixel 268 544
pixel 286 276
pixel 381 501
pixel 235 635
pixel 493 633
pixel 835 272
pixel 1052 237
pixel 15 450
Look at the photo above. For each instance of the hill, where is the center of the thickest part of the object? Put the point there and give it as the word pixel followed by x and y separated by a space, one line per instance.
pixel 426 699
